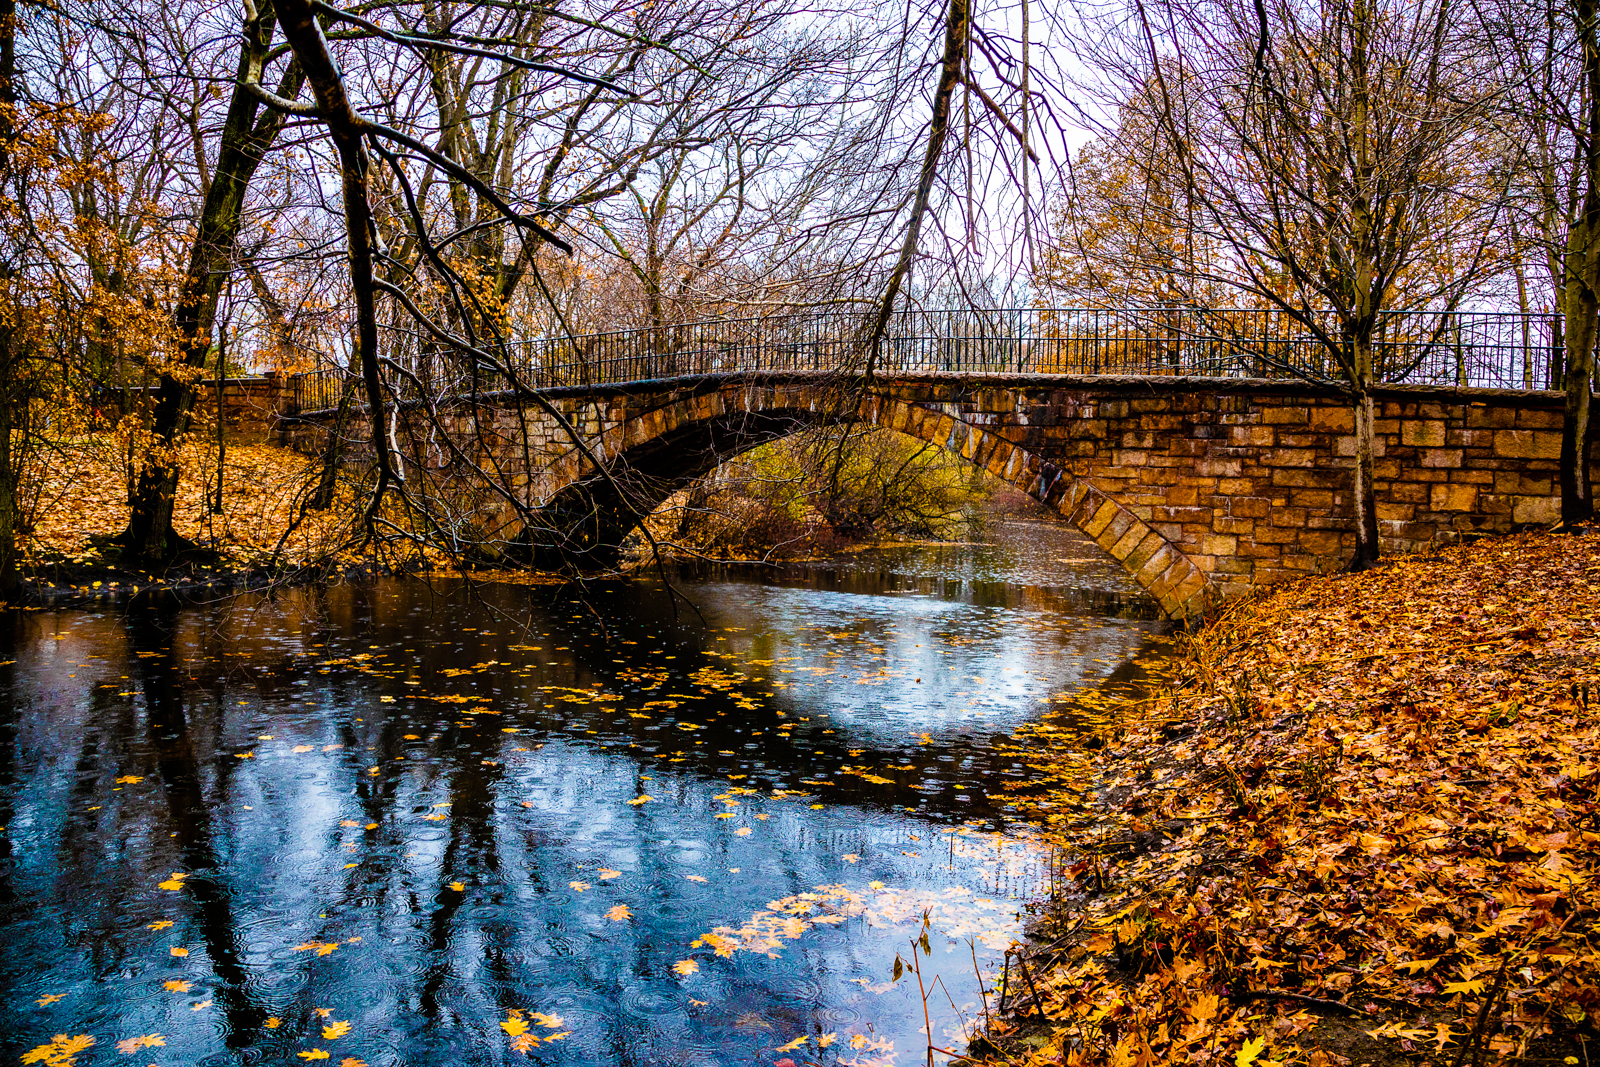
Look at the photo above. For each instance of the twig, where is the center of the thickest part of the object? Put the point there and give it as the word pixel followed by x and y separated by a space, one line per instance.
pixel 1037 1003
pixel 1483 1018
pixel 1276 994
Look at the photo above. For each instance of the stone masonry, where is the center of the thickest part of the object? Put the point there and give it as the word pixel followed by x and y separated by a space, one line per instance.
pixel 1201 488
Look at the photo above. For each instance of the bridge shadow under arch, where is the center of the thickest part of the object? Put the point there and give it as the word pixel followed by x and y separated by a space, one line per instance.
pixel 651 455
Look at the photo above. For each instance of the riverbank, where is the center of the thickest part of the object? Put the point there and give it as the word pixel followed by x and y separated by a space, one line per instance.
pixel 1358 823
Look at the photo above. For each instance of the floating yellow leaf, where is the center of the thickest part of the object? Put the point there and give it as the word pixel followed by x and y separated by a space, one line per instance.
pixel 128 1046
pixel 514 1025
pixel 619 913
pixel 62 1051
pixel 606 873
pixel 643 798
pixel 274 1022
pixel 160 924
pixel 743 831
pixel 175 986
pixel 336 1029
pixel 179 951
pixel 458 887
pixel 130 779
pixel 686 966
pixel 303 748
pixel 175 881
pixel 49 999
pixel 799 1042
pixel 579 886
pixel 200 1006
pixel 695 877
pixel 314 1054
pixel 351 1061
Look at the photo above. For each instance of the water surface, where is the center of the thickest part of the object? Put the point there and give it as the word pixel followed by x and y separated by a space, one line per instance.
pixel 407 824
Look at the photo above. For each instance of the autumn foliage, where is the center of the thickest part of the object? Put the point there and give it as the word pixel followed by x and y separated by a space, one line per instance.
pixel 1360 822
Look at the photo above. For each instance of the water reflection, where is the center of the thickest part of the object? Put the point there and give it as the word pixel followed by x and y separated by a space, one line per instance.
pixel 397 825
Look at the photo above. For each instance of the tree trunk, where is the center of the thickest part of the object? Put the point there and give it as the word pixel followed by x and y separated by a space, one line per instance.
pixel 1582 298
pixel 9 332
pixel 150 539
pixel 1365 491
pixel 323 498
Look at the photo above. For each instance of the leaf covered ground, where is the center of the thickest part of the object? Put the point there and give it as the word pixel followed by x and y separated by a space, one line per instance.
pixel 1359 822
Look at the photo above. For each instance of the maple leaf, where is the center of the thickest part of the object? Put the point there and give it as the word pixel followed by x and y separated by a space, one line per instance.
pixel 695 877
pixel 314 1054
pixel 128 1046
pixel 458 887
pixel 175 881
pixel 514 1025
pixel 49 999
pixel 336 1029
pixel 274 1022
pixel 606 874
pixel 578 886
pixel 743 831
pixel 797 1043
pixel 619 913
pixel 686 966
pixel 175 985
pixel 62 1051
pixel 160 924
pixel 351 1061
pixel 1248 1053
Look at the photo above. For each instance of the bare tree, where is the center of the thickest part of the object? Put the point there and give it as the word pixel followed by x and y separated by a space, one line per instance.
pixel 1330 154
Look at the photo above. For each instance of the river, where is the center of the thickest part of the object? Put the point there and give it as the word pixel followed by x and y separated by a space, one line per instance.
pixel 403 823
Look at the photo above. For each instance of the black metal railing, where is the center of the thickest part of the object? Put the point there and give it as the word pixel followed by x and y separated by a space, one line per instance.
pixel 1508 350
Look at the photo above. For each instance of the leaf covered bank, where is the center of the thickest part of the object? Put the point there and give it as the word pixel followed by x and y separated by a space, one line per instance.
pixel 1360 823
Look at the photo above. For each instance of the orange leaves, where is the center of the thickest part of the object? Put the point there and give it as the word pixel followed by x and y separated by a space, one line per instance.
pixel 128 1046
pixel 49 999
pixel 521 1038
pixel 175 985
pixel 179 951
pixel 321 948
pixel 313 1054
pixel 686 967
pixel 335 1029
pixel 619 913
pixel 1373 773
pixel 62 1051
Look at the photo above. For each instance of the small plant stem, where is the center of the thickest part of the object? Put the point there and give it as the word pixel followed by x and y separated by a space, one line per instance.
pixel 1483 1018
pixel 1038 1004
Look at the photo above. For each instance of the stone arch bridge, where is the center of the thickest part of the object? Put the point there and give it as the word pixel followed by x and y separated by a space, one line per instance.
pixel 1202 488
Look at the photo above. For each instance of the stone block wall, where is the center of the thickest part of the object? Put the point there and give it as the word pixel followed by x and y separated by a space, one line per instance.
pixel 1202 488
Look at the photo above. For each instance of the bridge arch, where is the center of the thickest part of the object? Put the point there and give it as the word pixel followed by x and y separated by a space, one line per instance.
pixel 653 453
